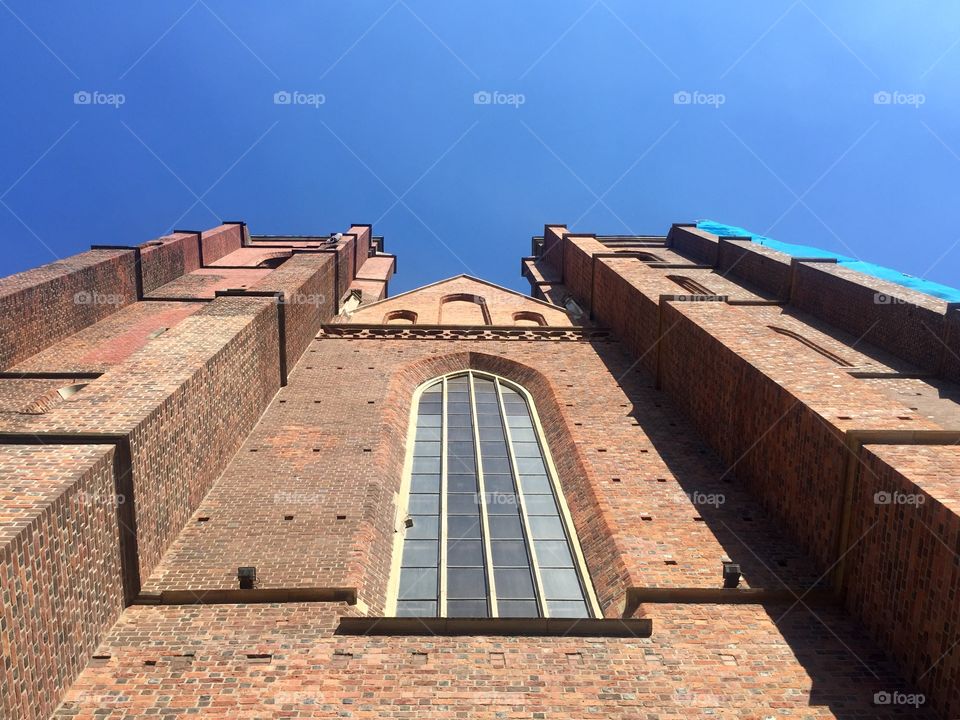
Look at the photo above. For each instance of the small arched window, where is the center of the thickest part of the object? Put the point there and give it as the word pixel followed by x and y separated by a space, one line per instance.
pixel 525 317
pixel 400 317
pixel 464 309
pixel 487 532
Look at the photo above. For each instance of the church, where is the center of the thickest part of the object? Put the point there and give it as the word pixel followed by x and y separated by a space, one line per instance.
pixel 689 475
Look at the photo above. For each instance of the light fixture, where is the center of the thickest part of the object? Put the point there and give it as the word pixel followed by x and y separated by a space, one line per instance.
pixel 247 577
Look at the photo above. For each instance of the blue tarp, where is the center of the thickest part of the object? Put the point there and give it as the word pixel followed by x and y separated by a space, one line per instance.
pixel 909 281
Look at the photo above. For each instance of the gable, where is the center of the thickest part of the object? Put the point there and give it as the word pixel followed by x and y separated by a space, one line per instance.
pixel 461 301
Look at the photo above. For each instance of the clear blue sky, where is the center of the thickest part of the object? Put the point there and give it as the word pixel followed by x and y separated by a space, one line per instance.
pixel 784 138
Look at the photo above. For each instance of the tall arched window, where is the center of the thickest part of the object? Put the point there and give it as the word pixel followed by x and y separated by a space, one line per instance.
pixel 487 532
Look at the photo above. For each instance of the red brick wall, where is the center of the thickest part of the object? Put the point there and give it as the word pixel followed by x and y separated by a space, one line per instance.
pixel 951 353
pixel 59 569
pixel 307 283
pixel 219 241
pixel 168 258
pixel 778 425
pixel 186 401
pixel 693 243
pixel 632 314
pixel 904 567
pixel 907 323
pixel 578 267
pixel 756 264
pixel 39 307
pixel 702 661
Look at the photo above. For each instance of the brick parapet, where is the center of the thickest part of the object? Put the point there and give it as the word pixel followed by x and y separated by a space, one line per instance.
pixel 60 569
pixel 39 307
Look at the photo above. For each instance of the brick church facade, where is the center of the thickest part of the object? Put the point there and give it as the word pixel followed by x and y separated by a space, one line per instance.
pixel 688 476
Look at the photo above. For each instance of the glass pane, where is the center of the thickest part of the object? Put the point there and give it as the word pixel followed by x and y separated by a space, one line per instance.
pixel 462 504
pixel 541 505
pixel 536 484
pixel 547 528
pixel 425 527
pixel 496 465
pixel 424 505
pixel 462 483
pixel 420 553
pixel 519 421
pixel 463 526
pixel 462 449
pixel 428 421
pixel 467 608
pixel 426 449
pixel 466 583
pixel 514 584
pixel 464 553
pixel 518 608
pixel 509 553
pixel 460 433
pixel 428 433
pixel 522 435
pixel 495 449
pixel 416 608
pixel 502 504
pixel 465 466
pixel 498 483
pixel 425 483
pixel 505 527
pixel 553 554
pixel 561 584
pixel 526 449
pixel 418 584
pixel 426 465
pixel 567 608
pixel 531 466
pixel 460 420
pixel 490 434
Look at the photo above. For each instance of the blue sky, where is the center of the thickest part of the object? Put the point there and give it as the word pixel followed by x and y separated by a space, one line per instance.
pixel 613 116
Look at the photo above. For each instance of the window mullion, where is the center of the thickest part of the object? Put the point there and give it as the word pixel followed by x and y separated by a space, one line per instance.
pixel 484 519
pixel 442 569
pixel 518 493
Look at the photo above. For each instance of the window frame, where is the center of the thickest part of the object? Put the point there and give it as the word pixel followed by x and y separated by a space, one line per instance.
pixel 403 499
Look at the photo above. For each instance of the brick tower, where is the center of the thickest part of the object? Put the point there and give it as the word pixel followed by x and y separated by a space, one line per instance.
pixel 688 476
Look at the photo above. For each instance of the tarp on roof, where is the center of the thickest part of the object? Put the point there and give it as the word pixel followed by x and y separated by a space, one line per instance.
pixel 895 276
